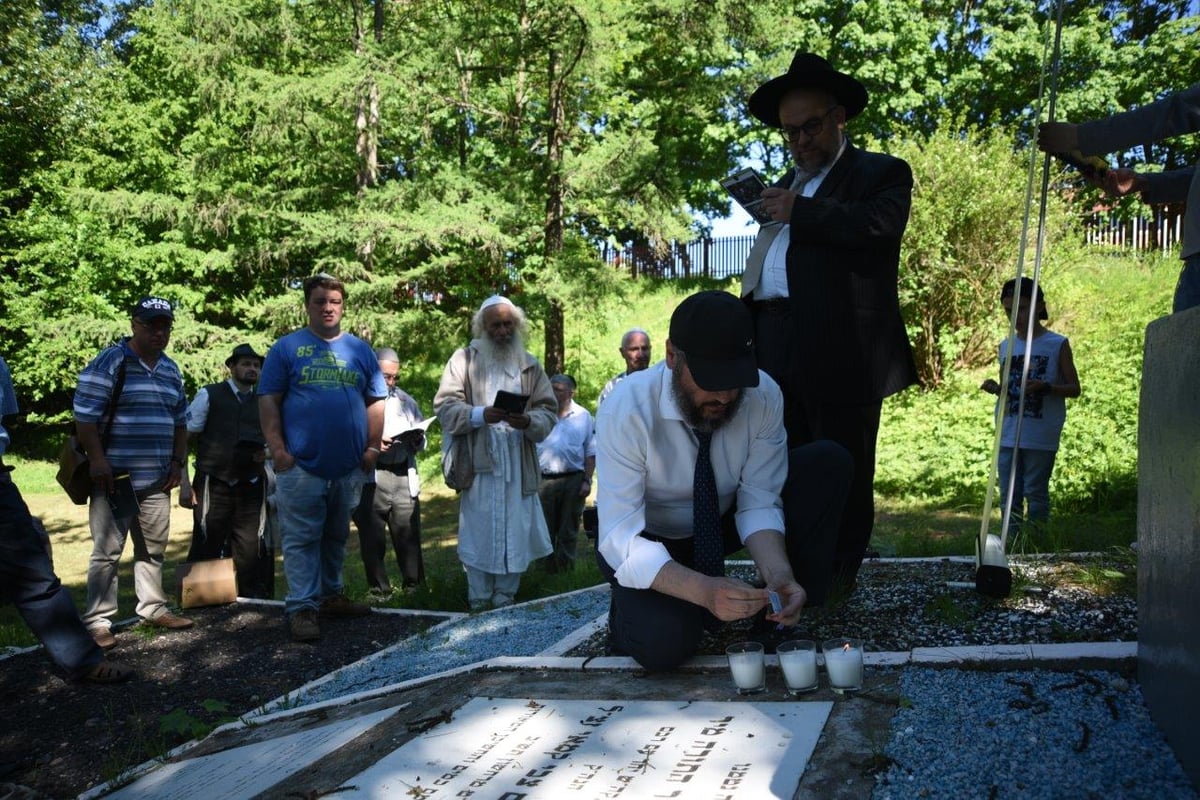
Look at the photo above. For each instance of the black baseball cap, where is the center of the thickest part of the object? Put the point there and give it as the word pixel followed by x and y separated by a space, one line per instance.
pixel 149 308
pixel 716 334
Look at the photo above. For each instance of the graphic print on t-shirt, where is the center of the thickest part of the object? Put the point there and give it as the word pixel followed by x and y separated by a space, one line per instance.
pixel 1037 372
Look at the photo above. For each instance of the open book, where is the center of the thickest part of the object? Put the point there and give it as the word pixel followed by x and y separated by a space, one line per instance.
pixel 405 426
pixel 746 186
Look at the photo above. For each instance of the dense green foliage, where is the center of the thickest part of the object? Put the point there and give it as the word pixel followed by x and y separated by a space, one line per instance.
pixel 432 153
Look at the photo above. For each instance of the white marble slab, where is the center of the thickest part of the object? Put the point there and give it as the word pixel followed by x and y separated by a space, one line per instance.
pixel 251 769
pixel 556 749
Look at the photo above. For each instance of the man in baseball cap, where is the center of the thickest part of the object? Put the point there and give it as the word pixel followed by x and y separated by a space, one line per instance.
pixel 692 460
pixel 149 308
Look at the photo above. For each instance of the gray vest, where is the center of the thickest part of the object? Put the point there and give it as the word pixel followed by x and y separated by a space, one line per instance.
pixel 231 436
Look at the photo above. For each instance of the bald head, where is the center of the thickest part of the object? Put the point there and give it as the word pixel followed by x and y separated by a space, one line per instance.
pixel 635 349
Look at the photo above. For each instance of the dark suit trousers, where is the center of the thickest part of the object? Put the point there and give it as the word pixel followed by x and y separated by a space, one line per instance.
pixel 226 521
pixel 660 632
pixel 807 419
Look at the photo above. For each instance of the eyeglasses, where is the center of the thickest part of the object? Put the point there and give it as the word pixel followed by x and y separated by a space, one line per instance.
pixel 390 377
pixel 810 129
pixel 155 326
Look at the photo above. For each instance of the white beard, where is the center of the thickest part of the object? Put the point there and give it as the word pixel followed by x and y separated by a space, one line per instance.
pixel 505 358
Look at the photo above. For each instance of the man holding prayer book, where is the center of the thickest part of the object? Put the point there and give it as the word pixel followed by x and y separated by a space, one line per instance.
pixel 821 281
pixel 501 529
pixel 391 501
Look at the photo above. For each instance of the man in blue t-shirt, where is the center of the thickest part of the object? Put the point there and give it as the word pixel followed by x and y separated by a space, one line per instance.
pixel 320 403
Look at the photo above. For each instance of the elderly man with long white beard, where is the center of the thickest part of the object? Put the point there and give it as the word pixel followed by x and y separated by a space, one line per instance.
pixel 501 530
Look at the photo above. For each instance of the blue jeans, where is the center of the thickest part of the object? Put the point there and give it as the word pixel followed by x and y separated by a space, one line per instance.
pixel 314 524
pixel 1031 482
pixel 28 581
pixel 1187 290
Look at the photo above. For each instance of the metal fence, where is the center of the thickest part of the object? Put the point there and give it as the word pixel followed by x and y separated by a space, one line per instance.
pixel 701 258
pixel 725 257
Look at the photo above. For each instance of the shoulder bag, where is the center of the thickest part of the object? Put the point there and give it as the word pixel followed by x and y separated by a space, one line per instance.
pixel 74 471
pixel 458 470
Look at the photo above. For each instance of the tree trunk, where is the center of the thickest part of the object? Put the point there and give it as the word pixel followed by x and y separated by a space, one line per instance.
pixel 555 347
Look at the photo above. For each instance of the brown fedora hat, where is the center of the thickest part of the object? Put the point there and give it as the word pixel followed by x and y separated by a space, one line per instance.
pixel 808 71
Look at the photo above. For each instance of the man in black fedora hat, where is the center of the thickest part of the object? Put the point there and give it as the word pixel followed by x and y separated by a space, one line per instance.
pixel 228 493
pixel 821 281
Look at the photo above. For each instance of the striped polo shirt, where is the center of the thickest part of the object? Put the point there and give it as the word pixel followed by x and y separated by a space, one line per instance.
pixel 151 406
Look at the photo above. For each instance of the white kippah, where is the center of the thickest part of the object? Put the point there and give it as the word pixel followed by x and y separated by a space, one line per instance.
pixel 496 300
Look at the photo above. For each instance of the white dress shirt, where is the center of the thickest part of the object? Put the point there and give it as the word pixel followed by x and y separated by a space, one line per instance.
pixel 570 444
pixel 646 457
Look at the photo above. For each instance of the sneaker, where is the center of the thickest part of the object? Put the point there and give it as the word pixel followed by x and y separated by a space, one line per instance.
pixel 169 621
pixel 304 626
pixel 339 605
pixel 104 638
pixel 108 672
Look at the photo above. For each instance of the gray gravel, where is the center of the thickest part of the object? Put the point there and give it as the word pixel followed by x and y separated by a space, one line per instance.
pixel 522 630
pixel 1026 734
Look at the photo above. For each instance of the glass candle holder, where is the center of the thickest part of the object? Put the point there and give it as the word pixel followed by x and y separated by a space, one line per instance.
pixel 746 663
pixel 844 663
pixel 798 660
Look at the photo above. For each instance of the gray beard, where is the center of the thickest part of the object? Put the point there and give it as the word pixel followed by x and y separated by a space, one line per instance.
pixel 506 356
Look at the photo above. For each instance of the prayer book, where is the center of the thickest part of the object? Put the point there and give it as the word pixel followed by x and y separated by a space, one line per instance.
pixel 511 403
pixel 746 186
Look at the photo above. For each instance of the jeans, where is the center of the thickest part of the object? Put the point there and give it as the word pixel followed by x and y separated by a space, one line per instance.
pixel 1031 482
pixel 28 581
pixel 314 524
pixel 148 529
pixel 1187 290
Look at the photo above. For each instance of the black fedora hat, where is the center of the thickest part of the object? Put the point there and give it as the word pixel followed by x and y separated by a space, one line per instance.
pixel 242 351
pixel 808 71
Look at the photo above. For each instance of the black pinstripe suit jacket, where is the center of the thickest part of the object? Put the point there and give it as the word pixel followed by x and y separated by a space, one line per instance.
pixel 849 343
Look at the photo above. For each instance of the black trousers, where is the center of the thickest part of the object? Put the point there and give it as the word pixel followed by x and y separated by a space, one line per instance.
pixel 226 522
pixel 854 427
pixel 660 632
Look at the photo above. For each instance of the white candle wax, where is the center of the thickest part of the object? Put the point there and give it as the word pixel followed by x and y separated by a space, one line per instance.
pixel 747 670
pixel 799 668
pixel 845 667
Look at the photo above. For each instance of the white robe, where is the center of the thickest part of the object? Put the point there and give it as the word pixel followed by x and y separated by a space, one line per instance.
pixel 501 530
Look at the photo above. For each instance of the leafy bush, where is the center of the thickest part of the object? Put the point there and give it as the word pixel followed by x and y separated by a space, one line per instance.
pixel 936 446
pixel 962 242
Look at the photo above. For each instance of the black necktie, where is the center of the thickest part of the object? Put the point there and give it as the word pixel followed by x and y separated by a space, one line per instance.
pixel 244 396
pixel 708 548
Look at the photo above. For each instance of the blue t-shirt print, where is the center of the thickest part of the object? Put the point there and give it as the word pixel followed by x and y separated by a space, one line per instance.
pixel 1037 372
pixel 326 371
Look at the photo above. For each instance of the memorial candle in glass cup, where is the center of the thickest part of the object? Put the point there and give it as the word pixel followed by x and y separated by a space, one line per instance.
pixel 746 664
pixel 844 663
pixel 798 660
